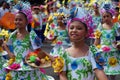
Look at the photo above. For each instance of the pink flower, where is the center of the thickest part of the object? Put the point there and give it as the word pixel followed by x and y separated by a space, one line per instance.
pixel 106 49
pixel 59 42
pixel 14 66
pixel 51 35
pixel 42 70
pixel 53 25
pixel 37 24
pixel 44 19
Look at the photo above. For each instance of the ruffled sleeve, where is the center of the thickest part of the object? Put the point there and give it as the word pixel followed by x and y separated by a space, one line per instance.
pixel 96 58
pixel 59 63
pixel 10 41
pixel 117 29
pixel 35 40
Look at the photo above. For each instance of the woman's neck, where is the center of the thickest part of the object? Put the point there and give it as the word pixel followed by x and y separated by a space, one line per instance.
pixel 62 27
pixel 107 25
pixel 78 50
pixel 22 31
pixel 97 14
pixel 78 44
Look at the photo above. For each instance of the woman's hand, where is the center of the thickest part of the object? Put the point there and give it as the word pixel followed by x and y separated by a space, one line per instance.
pixel 97 41
pixel 5 47
pixel 100 74
pixel 11 55
pixel 63 76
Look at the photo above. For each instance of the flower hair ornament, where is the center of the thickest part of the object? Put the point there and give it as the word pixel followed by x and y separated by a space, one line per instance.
pixel 107 7
pixel 96 5
pixel 25 8
pixel 87 20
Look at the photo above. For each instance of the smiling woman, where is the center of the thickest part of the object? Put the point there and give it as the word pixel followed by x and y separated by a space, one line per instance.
pixel 22 42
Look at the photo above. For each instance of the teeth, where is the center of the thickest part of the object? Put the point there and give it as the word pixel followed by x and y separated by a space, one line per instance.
pixel 74 35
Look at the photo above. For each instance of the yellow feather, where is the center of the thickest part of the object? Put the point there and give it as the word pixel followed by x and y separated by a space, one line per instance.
pixel 46 30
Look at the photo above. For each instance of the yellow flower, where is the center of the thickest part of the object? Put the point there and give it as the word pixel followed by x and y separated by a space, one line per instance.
pixel 47 58
pixel 98 46
pixel 113 61
pixel 4 33
pixel 69 1
pixel 8 76
pixel 55 14
pixel 119 17
pixel 97 34
pixel 58 64
pixel 50 18
pixel 11 61
pixel 58 5
pixel 62 14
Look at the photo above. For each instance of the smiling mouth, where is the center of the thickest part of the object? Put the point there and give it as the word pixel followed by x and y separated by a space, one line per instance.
pixel 74 35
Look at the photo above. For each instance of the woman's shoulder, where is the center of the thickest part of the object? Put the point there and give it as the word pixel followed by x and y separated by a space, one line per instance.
pixel 116 25
pixel 64 52
pixel 93 49
pixel 13 34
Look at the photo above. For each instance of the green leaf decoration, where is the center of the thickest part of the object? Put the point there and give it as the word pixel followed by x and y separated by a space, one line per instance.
pixel 69 74
pixel 74 79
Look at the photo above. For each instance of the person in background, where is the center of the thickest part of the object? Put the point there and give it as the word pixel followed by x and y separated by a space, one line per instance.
pixel 2 60
pixel 105 40
pixel 96 15
pixel 60 37
pixel 37 21
pixel 44 21
pixel 3 9
pixel 115 17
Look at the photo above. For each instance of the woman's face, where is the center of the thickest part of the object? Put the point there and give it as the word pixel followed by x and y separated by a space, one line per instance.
pixel 36 10
pixel 77 31
pixel 107 18
pixel 59 20
pixel 96 9
pixel 20 20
